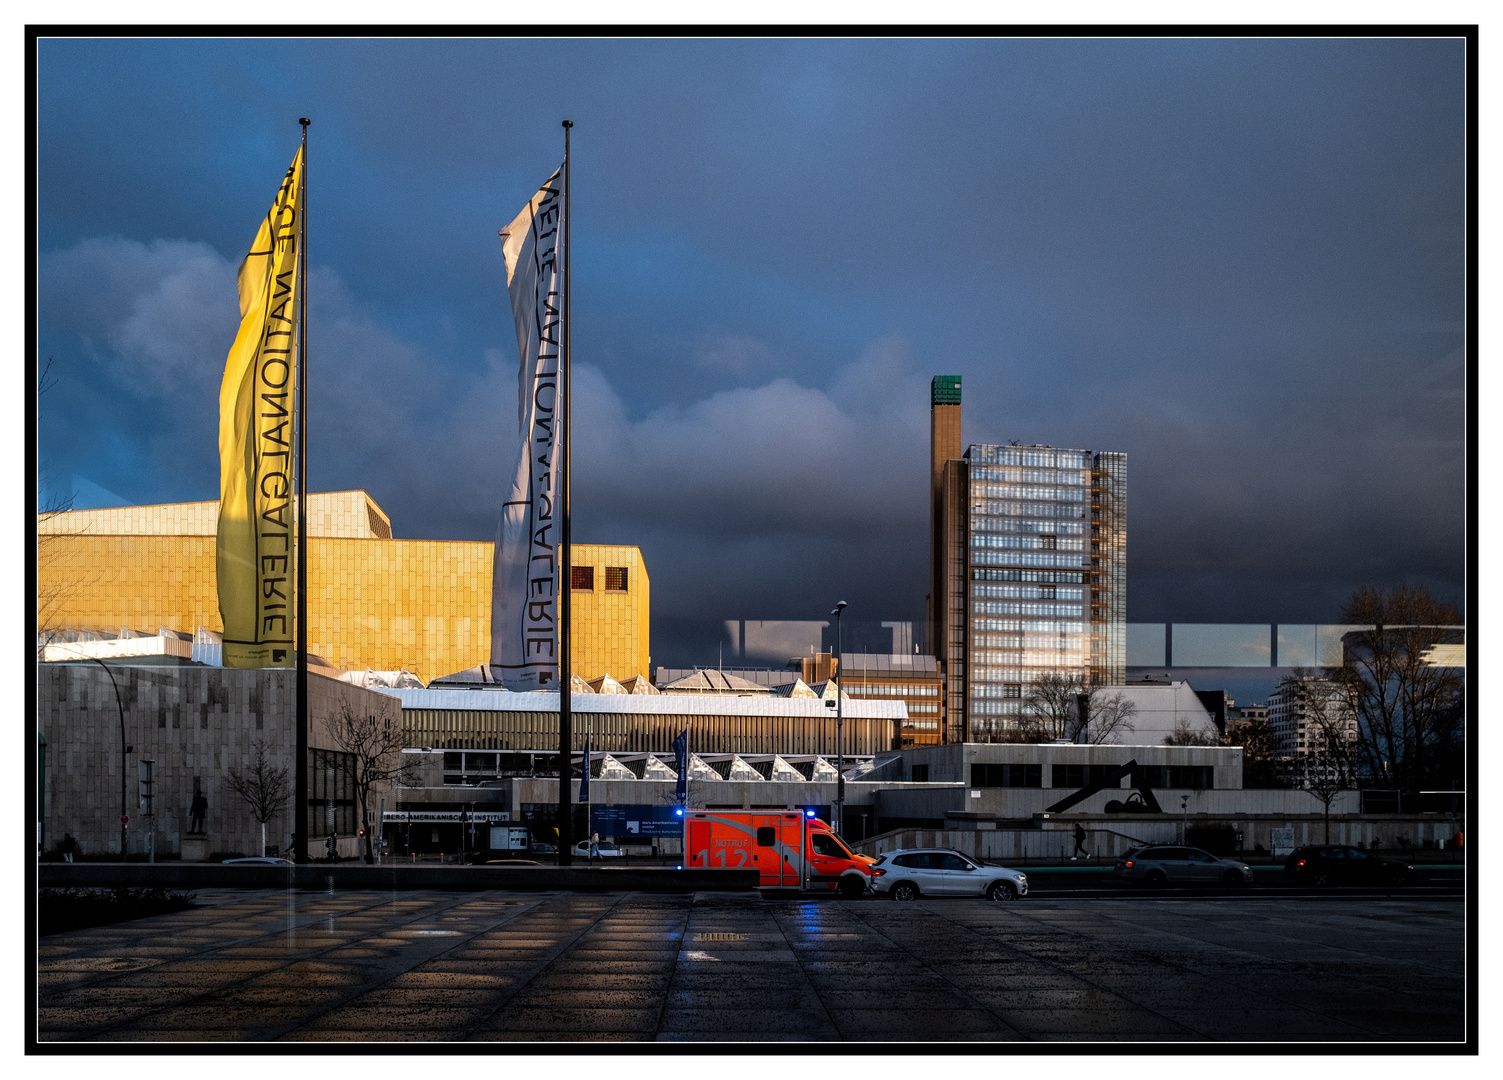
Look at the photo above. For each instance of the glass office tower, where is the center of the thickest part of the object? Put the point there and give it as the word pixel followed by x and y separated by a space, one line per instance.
pixel 1028 570
pixel 1045 591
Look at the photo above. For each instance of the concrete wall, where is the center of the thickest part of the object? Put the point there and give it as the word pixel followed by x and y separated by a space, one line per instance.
pixel 192 722
pixel 1108 837
pixel 951 763
pixel 933 801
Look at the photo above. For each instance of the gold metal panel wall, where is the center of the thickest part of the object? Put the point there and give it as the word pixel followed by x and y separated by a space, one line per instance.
pixel 383 604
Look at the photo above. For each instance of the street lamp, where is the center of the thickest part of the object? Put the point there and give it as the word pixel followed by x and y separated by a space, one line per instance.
pixel 839 727
pixel 124 819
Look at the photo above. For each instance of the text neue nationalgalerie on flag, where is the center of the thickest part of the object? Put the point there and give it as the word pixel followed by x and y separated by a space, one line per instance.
pixel 524 590
pixel 256 445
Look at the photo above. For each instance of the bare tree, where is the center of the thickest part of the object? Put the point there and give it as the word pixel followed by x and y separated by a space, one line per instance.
pixel 1262 765
pixel 375 746
pixel 1065 706
pixel 1411 712
pixel 1185 735
pixel 1052 704
pixel 263 786
pixel 1101 717
pixel 1327 767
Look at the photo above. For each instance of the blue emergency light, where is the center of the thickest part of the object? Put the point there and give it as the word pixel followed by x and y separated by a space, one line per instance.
pixel 680 813
pixel 808 813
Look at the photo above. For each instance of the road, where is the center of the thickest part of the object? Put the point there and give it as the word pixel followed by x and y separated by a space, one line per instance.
pixel 493 966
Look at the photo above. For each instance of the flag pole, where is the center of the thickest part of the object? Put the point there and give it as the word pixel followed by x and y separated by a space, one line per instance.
pixel 300 783
pixel 565 569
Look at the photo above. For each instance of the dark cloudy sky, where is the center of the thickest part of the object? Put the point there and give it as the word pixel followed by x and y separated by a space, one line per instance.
pixel 1241 262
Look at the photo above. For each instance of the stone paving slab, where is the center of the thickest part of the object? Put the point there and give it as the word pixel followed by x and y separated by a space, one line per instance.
pixel 369 966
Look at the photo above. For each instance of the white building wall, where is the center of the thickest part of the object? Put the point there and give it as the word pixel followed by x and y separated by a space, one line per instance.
pixel 1161 709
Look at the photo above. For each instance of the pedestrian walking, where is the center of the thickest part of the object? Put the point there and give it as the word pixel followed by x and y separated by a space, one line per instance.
pixel 70 847
pixel 1080 837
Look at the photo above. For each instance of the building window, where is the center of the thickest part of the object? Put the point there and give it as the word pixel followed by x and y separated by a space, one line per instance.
pixel 1077 776
pixel 582 578
pixel 331 793
pixel 615 579
pixel 1184 777
pixel 1007 775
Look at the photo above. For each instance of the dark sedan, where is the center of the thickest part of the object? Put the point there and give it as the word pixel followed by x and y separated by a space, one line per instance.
pixel 1330 864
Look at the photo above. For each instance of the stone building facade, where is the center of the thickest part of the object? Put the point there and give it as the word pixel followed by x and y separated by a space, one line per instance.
pixel 195 724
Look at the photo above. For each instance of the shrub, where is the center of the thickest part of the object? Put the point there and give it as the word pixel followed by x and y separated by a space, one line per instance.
pixel 75 908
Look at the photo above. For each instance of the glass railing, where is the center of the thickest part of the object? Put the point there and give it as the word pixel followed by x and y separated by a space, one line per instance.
pixel 1249 645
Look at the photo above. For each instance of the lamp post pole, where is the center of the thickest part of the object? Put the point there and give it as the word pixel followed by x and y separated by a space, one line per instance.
pixel 839 726
pixel 124 751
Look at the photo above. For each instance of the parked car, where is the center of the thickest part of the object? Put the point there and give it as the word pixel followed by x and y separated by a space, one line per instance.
pixel 909 873
pixel 1331 864
pixel 602 850
pixel 542 849
pixel 1175 864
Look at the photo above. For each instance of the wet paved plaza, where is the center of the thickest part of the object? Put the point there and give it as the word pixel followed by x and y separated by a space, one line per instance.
pixel 297 966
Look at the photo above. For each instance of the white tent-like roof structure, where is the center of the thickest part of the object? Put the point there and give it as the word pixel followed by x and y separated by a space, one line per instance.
pixel 654 769
pixel 784 773
pixel 740 770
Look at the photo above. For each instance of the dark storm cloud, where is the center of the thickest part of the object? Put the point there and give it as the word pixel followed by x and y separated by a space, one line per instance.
pixel 1241 262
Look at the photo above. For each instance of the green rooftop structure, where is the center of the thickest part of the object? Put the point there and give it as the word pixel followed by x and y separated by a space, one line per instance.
pixel 945 390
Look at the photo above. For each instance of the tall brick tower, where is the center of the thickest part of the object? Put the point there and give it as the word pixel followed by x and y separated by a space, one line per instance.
pixel 944 634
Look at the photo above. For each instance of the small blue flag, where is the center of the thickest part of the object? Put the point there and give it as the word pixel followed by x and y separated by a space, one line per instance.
pixel 584 774
pixel 681 763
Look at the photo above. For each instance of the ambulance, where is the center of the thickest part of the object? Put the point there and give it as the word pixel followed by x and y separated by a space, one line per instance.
pixel 791 848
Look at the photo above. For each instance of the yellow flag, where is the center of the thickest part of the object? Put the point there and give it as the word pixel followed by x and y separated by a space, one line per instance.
pixel 255 546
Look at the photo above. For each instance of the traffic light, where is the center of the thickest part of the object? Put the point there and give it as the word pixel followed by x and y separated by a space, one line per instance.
pixel 147 787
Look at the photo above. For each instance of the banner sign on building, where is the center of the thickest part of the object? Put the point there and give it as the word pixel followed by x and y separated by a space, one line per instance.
pixel 254 551
pixel 423 817
pixel 524 586
pixel 625 822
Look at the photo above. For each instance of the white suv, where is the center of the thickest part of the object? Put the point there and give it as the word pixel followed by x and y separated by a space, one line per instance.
pixel 913 872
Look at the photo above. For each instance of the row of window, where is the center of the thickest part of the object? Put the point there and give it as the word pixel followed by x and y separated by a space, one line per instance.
pixel 582 578
pixel 1067 511
pixel 1039 667
pixel 1033 457
pixel 1010 775
pixel 980 573
pixel 988 521
pixel 1049 656
pixel 890 690
pixel 1049 542
pixel 997 690
pixel 1030 476
pixel 1034 626
pixel 1017 607
pixel 1024 558
pixel 1027 592
pixel 1019 491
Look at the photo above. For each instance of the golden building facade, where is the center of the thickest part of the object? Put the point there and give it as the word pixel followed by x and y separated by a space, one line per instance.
pixel 373 601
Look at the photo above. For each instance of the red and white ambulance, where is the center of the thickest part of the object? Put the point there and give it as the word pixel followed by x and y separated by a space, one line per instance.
pixel 791 848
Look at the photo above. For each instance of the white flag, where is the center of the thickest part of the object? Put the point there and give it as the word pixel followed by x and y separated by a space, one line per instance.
pixel 524 587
